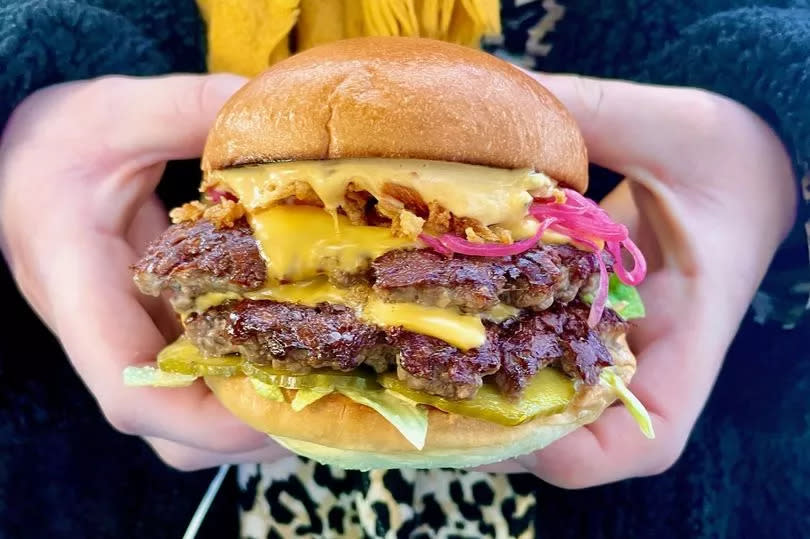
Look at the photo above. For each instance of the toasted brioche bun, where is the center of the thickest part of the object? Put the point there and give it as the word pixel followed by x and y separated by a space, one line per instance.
pixel 399 98
pixel 336 430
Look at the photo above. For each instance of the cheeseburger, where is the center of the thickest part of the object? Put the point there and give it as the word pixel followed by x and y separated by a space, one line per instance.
pixel 392 264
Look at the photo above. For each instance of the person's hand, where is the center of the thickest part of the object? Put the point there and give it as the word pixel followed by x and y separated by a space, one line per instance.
pixel 78 166
pixel 714 196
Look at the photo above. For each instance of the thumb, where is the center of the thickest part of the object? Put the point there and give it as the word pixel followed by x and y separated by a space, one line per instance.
pixel 157 119
pixel 164 118
pixel 629 126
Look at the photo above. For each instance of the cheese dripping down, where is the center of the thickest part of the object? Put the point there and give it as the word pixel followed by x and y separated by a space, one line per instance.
pixel 302 243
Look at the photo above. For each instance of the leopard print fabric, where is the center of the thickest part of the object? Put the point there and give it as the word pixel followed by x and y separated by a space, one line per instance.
pixel 297 497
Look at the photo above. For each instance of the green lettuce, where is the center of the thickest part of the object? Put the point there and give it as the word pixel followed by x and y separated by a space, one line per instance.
pixel 151 376
pixel 622 298
pixel 410 420
pixel 612 380
pixel 305 397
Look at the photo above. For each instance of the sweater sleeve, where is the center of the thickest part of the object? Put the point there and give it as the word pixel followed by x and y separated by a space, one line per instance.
pixel 44 42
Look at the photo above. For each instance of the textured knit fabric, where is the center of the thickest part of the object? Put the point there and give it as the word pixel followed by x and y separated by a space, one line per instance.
pixel 64 473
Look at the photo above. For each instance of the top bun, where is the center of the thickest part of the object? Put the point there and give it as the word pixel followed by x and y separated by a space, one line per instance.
pixel 398 98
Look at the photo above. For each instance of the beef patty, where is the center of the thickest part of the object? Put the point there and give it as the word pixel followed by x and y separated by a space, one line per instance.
pixel 298 338
pixel 192 258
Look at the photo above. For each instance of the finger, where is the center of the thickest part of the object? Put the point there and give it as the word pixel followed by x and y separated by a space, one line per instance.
pixel 628 126
pixel 683 148
pixel 622 207
pixel 582 459
pixel 159 118
pixel 103 328
pixel 148 223
pixel 658 236
pixel 164 118
pixel 189 459
pixel 149 119
pixel 612 448
pixel 684 145
pixel 144 122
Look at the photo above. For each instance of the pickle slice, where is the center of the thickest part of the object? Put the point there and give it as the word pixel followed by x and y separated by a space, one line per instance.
pixel 323 379
pixel 548 392
pixel 182 357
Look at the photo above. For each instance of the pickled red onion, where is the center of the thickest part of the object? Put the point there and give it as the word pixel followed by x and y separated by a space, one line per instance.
pixel 594 223
pixel 583 221
pixel 598 305
pixel 447 243
pixel 435 244
pixel 636 275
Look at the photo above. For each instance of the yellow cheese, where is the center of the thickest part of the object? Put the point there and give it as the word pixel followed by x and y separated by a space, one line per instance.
pixel 500 313
pixel 310 293
pixel 489 195
pixel 300 242
pixel 549 236
pixel 460 330
pixel 552 237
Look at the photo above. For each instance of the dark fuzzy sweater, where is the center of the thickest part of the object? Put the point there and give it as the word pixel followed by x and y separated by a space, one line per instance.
pixel 746 471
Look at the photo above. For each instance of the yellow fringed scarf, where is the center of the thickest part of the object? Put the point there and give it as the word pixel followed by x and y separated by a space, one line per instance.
pixel 246 36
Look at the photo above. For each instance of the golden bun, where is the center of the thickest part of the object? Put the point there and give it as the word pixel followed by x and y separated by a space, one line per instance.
pixel 399 98
pixel 336 430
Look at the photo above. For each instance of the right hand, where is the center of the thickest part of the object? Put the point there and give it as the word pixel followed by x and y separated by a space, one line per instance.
pixel 79 163
pixel 711 195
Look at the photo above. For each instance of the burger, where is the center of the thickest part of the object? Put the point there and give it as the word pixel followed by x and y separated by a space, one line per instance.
pixel 391 263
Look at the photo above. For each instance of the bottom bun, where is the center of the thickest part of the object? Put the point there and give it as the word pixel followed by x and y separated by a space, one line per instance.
pixel 337 431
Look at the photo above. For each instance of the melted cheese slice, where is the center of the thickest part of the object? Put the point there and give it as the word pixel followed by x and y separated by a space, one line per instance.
pixel 489 195
pixel 300 242
pixel 311 293
pixel 460 330
pixel 500 313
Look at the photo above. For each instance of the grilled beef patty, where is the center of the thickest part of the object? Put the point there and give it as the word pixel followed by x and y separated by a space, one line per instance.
pixel 298 338
pixel 190 259
pixel 193 258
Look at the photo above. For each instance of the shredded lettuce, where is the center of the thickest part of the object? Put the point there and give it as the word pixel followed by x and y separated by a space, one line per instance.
pixel 268 391
pixel 411 421
pixel 622 298
pixel 612 380
pixel 408 418
pixel 305 397
pixel 152 376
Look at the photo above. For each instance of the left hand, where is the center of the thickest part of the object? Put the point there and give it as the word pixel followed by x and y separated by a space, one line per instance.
pixel 711 195
pixel 79 163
